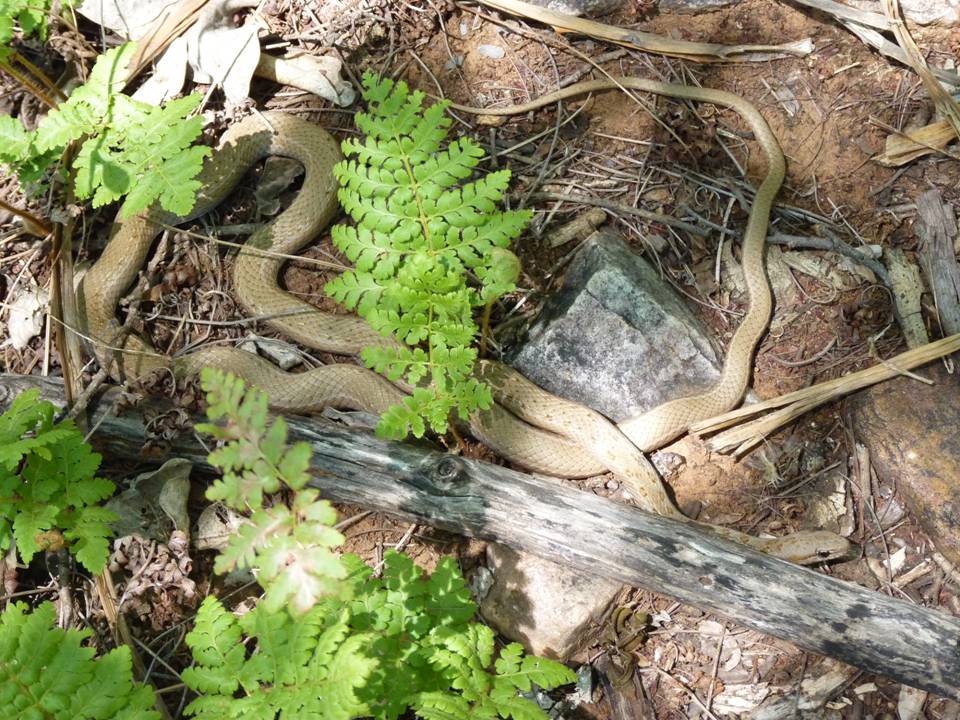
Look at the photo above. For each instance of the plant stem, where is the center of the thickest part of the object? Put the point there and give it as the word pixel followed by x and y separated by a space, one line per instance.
pixel 27 82
pixel 40 75
pixel 484 329
pixel 31 223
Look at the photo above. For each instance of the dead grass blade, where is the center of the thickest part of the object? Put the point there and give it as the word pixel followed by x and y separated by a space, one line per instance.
pixel 903 147
pixel 947 106
pixel 649 42
pixel 751 433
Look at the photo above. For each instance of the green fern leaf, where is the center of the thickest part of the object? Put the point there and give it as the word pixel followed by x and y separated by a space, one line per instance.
pixel 47 482
pixel 67 467
pixel 89 532
pixel 443 706
pixel 289 547
pixel 26 412
pixel 545 673
pixel 217 652
pixel 32 520
pixel 447 596
pixel 463 658
pixel 421 226
pixel 45 673
pixel 255 537
pixel 30 15
pixel 515 707
pixel 89 103
pixel 15 141
pixel 132 148
pixel 169 180
pixel 299 569
pixel 355 291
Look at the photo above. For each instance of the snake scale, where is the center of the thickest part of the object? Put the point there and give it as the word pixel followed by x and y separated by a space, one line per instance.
pixel 527 425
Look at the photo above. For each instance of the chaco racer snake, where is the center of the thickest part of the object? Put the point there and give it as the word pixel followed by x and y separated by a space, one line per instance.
pixel 559 437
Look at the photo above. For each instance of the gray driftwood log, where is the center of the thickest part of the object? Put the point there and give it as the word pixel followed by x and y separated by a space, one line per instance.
pixel 911 644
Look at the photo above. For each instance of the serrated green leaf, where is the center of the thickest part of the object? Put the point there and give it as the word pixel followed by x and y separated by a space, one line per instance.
pixel 422 225
pixel 89 532
pixel 32 520
pixel 46 673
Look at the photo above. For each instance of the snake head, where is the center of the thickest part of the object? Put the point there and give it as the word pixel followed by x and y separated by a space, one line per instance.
pixel 815 546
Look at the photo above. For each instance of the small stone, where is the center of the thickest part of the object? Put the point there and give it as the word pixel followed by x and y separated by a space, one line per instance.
pixel 494 52
pixel 922 12
pixel 453 63
pixel 691 7
pixel 587 8
pixel 616 336
pixel 541 604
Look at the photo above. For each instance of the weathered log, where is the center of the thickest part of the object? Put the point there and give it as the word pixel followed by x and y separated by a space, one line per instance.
pixel 911 644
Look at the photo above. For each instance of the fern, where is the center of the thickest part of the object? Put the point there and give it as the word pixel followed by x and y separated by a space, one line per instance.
pixel 29 15
pixel 46 674
pixel 129 147
pixel 49 492
pixel 422 231
pixel 290 547
pixel 399 642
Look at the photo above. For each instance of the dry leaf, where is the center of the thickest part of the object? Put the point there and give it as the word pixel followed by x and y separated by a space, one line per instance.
pixel 25 320
pixel 317 75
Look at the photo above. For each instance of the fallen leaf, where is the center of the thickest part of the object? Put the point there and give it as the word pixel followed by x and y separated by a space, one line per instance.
pixel 25 320
pixel 317 75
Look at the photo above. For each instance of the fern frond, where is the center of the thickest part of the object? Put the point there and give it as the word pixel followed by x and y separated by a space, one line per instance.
pixel 217 652
pixel 132 149
pixel 389 644
pixel 423 229
pixel 45 672
pixel 30 15
pixel 289 548
pixel 523 671
pixel 48 483
pixel 309 667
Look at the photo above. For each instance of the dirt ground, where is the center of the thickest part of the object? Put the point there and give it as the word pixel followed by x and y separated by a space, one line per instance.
pixel 831 110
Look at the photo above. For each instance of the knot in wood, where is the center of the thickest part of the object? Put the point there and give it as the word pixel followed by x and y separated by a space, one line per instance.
pixel 448 472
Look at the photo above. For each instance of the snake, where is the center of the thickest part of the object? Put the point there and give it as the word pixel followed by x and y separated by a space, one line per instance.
pixel 527 425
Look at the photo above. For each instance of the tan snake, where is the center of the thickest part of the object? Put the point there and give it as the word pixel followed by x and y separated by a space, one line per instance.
pixel 562 437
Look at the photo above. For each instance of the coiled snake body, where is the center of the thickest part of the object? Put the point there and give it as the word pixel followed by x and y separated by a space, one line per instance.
pixel 529 425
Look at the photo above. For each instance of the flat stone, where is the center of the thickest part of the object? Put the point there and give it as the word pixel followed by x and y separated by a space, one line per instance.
pixel 922 12
pixel 910 429
pixel 587 8
pixel 616 336
pixel 543 605
pixel 690 7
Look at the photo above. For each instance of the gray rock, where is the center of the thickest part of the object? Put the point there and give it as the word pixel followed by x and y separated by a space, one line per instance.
pixel 587 8
pixel 546 607
pixel 693 6
pixel 922 12
pixel 616 336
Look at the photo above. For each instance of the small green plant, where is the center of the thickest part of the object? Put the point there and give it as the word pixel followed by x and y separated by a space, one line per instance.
pixel 429 248
pixel 130 148
pixel 45 673
pixel 49 492
pixel 289 547
pixel 401 642
pixel 29 15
